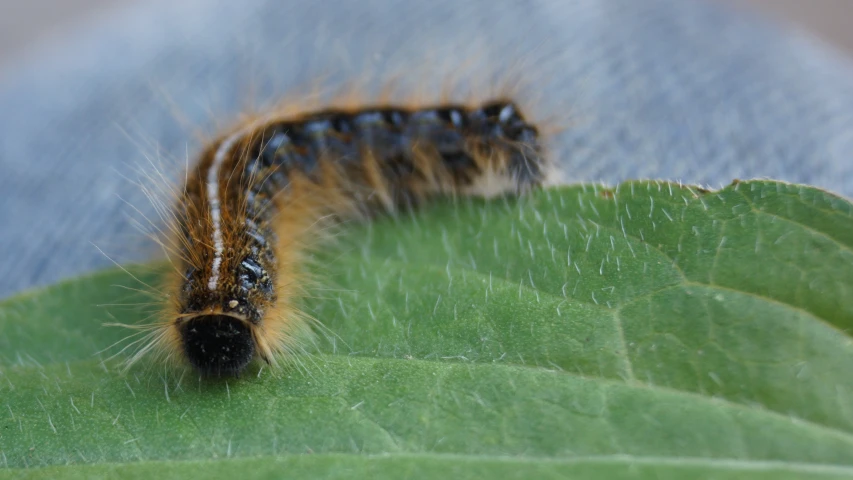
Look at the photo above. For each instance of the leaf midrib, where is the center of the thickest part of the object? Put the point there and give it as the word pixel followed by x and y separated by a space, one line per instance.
pixel 724 463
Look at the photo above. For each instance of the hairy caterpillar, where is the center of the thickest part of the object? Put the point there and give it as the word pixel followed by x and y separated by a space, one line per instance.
pixel 249 204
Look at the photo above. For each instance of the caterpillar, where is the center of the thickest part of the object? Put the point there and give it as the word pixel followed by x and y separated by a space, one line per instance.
pixel 249 204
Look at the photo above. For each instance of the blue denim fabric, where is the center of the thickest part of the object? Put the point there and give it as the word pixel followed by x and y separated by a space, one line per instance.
pixel 673 89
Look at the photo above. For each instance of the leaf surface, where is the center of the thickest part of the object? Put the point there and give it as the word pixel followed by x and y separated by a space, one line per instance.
pixel 647 331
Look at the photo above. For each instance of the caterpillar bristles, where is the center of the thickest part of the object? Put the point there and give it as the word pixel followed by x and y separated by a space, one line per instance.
pixel 262 196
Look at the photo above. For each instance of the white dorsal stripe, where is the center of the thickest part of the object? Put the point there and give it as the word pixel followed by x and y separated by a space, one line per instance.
pixel 215 208
pixel 212 189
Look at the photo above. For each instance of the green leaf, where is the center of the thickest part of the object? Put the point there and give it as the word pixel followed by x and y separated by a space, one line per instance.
pixel 648 331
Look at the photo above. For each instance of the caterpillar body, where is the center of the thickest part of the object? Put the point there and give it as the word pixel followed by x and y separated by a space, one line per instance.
pixel 245 213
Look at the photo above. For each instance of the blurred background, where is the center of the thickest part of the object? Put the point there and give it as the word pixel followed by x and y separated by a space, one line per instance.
pixel 27 24
pixel 685 90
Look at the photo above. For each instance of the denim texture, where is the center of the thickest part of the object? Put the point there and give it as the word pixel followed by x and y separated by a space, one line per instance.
pixel 672 89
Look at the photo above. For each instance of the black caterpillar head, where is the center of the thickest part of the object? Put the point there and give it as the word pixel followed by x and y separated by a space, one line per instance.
pixel 218 344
